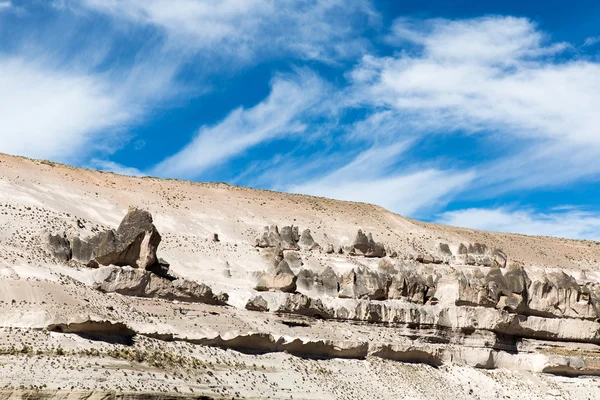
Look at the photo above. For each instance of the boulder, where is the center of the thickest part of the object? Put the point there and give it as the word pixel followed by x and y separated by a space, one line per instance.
pixel 360 245
pixel 289 238
pixel 257 303
pixel 477 248
pixel 306 239
pixel 365 245
pixel 499 258
pixel 273 255
pixel 270 237
pixel 281 278
pixel 305 279
pixel 445 249
pixel 59 247
pixel 133 244
pixel 185 290
pixel 328 282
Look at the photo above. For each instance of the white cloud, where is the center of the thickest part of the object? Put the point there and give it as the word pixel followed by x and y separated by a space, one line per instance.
pixel 52 113
pixel 242 29
pixel 291 98
pixel 592 40
pixel 495 77
pixel 64 112
pixel 567 222
pixel 4 5
pixel 369 178
pixel 110 166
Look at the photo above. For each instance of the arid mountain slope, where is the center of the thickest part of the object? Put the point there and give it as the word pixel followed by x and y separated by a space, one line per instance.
pixel 200 299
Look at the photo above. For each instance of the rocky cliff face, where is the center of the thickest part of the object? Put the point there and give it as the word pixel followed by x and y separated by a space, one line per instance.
pixel 273 295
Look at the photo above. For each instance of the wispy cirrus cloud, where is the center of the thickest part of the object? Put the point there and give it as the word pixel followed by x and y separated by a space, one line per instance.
pixel 110 166
pixel 48 112
pixel 102 82
pixel 281 114
pixel 568 222
pixel 65 95
pixel 67 112
pixel 591 41
pixel 495 77
pixel 371 178
pixel 244 30
pixel 5 5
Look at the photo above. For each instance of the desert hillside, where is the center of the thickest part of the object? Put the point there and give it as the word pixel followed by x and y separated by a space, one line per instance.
pixel 154 288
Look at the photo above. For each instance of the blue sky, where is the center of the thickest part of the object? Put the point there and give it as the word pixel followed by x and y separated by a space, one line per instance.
pixel 482 114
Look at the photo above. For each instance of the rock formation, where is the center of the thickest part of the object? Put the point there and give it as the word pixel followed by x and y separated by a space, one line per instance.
pixel 365 245
pixel 280 278
pixel 134 243
pixel 432 309
pixel 140 283
pixel 59 247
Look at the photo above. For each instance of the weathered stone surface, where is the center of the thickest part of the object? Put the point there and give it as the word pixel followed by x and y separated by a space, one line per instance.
pixel 477 248
pixel 185 290
pixel 362 283
pixel 445 249
pixel 386 265
pixel 134 243
pixel 300 304
pixel 59 247
pixel 257 303
pixel 293 259
pixel 325 283
pixel 83 249
pixel 286 239
pixel 289 235
pixel 140 283
pixel 281 278
pixel 306 239
pixel 411 286
pixel 499 258
pixel 365 245
pixel 559 295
